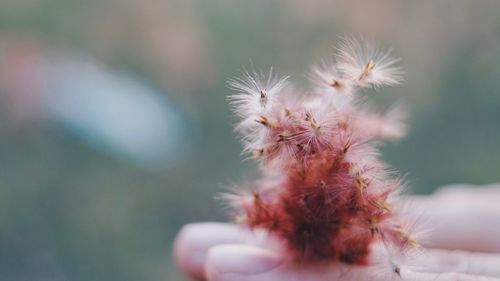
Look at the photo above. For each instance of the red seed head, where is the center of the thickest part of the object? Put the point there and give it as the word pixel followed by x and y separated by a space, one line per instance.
pixel 324 191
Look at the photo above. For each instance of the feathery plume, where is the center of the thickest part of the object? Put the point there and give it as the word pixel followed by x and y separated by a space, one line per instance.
pixel 365 65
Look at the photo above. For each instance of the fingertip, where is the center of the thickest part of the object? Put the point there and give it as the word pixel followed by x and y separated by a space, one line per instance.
pixel 194 240
pixel 188 258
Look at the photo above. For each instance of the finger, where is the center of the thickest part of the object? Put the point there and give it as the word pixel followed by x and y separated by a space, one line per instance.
pixel 194 241
pixel 251 263
pixel 458 261
pixel 460 219
pixel 474 190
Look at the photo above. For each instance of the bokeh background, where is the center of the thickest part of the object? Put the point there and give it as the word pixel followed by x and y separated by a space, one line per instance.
pixel 115 131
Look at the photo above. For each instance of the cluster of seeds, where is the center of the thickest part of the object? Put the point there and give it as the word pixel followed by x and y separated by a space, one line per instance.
pixel 323 190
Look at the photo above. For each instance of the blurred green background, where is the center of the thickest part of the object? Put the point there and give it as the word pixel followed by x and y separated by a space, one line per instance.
pixel 80 202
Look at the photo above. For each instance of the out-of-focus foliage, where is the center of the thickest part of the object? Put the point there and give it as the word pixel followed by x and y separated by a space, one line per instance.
pixel 71 211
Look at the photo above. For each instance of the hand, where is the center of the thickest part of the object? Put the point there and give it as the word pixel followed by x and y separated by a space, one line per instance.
pixel 460 217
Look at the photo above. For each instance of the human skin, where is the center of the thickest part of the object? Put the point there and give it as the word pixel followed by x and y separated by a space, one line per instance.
pixel 463 244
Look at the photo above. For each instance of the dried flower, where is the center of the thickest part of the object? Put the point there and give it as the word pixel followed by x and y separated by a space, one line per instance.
pixel 324 191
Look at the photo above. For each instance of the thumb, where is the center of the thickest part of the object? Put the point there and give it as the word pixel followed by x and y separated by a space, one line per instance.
pixel 242 262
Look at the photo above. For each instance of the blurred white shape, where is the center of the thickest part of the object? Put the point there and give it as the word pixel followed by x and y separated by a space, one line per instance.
pixel 111 110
